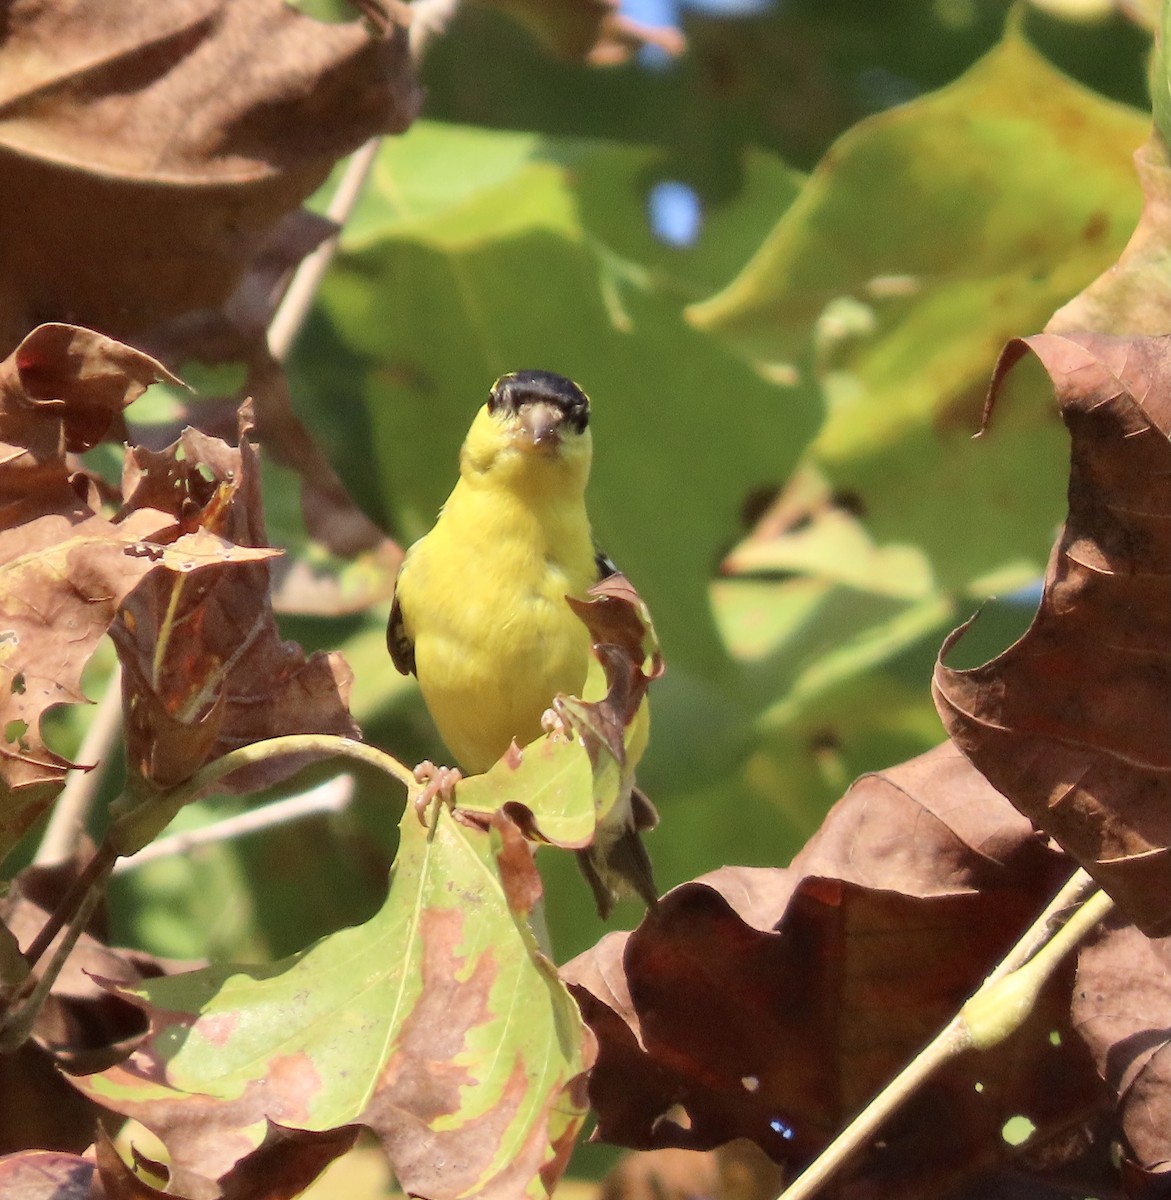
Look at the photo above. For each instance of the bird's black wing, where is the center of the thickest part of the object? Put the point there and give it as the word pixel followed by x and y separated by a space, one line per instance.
pixel 402 649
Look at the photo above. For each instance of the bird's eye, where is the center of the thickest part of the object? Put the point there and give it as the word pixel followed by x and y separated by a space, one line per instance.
pixel 496 396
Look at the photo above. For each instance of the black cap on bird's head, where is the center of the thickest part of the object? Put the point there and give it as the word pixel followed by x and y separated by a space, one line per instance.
pixel 544 401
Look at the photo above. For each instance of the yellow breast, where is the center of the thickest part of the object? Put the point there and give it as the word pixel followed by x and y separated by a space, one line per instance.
pixel 483 599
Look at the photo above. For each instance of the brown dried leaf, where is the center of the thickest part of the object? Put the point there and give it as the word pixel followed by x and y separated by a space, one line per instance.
pixel 1122 1010
pixel 64 569
pixel 772 1004
pixel 206 669
pixel 594 30
pixel 51 1114
pixel 62 389
pixel 82 1025
pixel 1073 722
pixel 62 578
pixel 171 141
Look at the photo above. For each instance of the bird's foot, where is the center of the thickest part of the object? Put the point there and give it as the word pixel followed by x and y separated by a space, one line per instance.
pixel 553 722
pixel 438 785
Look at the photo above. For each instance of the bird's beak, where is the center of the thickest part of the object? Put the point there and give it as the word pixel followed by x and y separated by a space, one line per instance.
pixel 542 424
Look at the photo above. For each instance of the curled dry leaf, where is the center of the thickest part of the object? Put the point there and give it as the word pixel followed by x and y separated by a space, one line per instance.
pixel 1073 722
pixel 174 142
pixel 206 669
pixel 594 30
pixel 772 1004
pixel 438 1024
pixel 64 568
pixel 63 389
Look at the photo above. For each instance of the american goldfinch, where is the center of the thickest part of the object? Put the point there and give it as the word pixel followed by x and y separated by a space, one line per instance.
pixel 480 613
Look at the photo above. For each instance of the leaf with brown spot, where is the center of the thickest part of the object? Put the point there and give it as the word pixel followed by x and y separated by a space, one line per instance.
pixel 206 669
pixel 438 1024
pixel 1073 722
pixel 772 1004
pixel 174 142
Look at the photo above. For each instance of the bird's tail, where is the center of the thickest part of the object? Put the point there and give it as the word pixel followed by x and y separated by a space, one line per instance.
pixel 617 865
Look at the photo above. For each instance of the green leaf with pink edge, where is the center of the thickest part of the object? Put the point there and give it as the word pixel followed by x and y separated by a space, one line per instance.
pixel 547 788
pixel 438 1024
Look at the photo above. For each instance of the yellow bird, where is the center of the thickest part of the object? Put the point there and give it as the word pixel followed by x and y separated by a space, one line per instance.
pixel 480 613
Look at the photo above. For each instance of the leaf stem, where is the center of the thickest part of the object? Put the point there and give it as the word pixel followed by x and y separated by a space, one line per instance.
pixel 76 898
pixel 138 821
pixel 1003 1003
pixel 1075 889
pixel 298 300
pixel 997 1009
pixel 18 1021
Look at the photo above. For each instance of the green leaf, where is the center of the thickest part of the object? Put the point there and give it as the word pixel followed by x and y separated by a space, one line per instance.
pixel 552 778
pixel 438 1023
pixel 927 237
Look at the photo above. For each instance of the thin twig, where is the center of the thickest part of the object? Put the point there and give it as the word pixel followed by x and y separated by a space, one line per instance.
pixel 298 300
pixel 332 796
pixel 1075 890
pixel 429 20
pixel 956 1037
pixel 77 897
pixel 138 822
pixel 71 812
pixel 17 1023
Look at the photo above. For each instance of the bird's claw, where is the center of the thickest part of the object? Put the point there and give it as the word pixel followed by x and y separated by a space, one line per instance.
pixel 553 722
pixel 438 785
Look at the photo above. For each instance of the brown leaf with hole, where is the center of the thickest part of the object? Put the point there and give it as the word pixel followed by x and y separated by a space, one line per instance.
pixel 594 30
pixel 772 1004
pixel 174 142
pixel 64 568
pixel 1073 722
pixel 1122 1010
pixel 206 669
